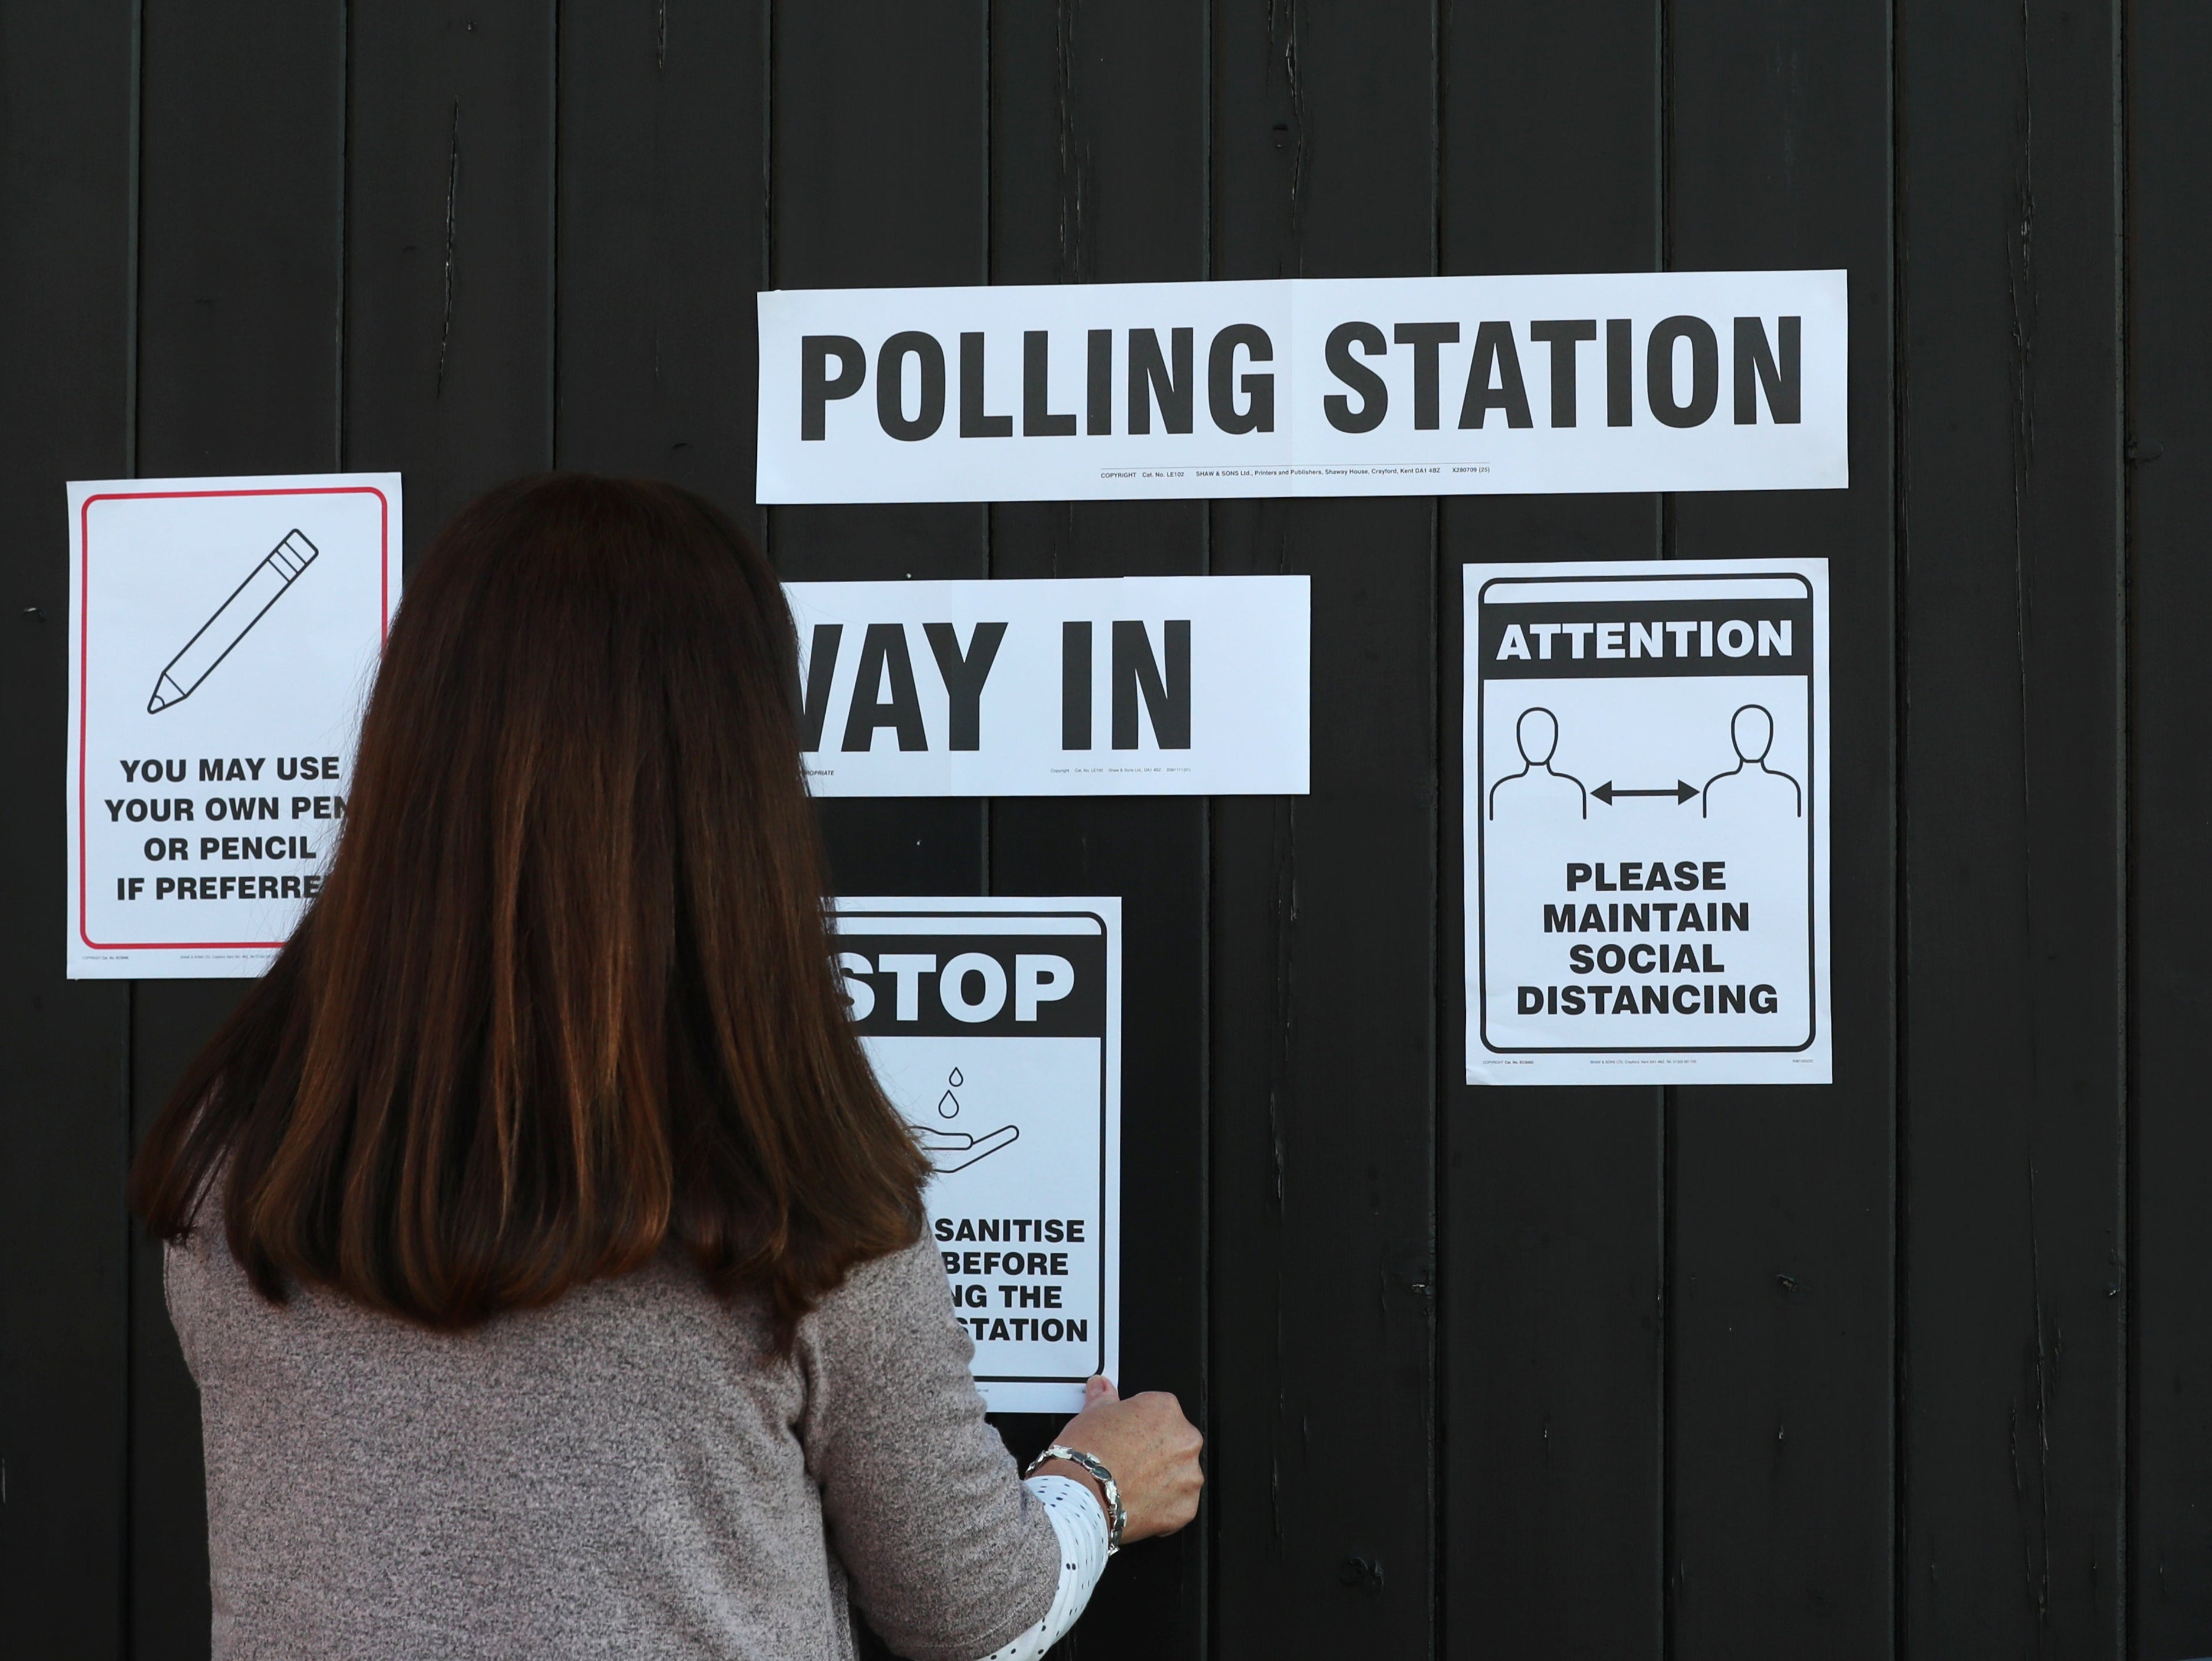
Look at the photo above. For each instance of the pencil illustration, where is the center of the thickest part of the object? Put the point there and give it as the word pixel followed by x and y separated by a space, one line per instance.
pixel 249 602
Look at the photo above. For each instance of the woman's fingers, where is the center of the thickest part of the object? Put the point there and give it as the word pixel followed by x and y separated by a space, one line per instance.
pixel 1152 1451
pixel 1178 1478
pixel 1172 1478
pixel 1099 1388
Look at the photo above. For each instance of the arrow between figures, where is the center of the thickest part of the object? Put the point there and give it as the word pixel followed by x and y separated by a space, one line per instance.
pixel 1681 791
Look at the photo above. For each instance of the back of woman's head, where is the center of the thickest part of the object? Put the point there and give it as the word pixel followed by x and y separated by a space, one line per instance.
pixel 565 997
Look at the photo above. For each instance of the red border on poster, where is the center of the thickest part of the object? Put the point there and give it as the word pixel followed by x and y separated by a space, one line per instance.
pixel 84 680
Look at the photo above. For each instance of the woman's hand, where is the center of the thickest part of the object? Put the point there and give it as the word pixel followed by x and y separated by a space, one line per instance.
pixel 1151 1448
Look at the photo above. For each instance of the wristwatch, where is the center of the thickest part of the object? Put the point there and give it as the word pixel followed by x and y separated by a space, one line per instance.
pixel 1091 1461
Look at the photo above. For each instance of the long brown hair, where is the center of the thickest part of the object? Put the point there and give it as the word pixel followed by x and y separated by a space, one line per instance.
pixel 566 997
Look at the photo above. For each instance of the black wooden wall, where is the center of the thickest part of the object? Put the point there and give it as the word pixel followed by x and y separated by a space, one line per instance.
pixel 1918 1365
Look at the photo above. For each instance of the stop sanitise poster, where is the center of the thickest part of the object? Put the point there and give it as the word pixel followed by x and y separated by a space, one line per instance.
pixel 995 1026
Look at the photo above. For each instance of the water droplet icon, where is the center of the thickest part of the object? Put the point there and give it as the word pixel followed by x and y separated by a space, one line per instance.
pixel 954 1077
pixel 948 1105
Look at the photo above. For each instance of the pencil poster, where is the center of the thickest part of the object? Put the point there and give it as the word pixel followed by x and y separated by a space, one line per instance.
pixel 223 635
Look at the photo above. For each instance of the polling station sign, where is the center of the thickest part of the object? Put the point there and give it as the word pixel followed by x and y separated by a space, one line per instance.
pixel 1431 386
pixel 1055 687
pixel 223 635
pixel 1646 822
pixel 995 1026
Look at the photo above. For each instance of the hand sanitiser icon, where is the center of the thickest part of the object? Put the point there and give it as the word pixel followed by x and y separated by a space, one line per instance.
pixel 249 602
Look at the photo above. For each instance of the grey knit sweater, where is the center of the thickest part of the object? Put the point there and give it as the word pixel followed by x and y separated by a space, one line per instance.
pixel 630 1472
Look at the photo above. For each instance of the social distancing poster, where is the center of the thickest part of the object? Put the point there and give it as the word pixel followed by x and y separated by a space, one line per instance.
pixel 1646 822
pixel 995 1026
pixel 224 637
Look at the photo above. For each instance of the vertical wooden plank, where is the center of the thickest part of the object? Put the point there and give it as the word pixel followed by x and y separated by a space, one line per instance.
pixel 243 113
pixel 67 173
pixel 241 203
pixel 2014 1424
pixel 1549 1216
pixel 664 134
pixel 449 229
pixel 1783 1273
pixel 2169 370
pixel 880 177
pixel 1322 1381
pixel 1098 174
pixel 166 1612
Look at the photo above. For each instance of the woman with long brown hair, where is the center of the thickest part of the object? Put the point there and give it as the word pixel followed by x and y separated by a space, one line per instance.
pixel 549 1261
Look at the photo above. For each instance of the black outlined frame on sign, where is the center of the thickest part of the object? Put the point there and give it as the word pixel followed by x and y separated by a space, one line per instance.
pixel 1750 572
pixel 984 917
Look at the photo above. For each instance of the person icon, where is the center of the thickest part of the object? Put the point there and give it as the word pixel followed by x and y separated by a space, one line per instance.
pixel 1751 786
pixel 1537 788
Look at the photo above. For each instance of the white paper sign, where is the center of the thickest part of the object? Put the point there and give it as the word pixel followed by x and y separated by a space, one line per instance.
pixel 996 1027
pixel 1066 687
pixel 223 635
pixel 1432 385
pixel 1646 757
